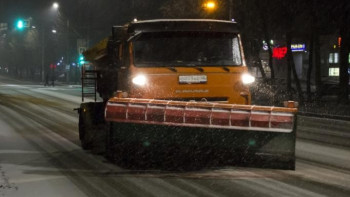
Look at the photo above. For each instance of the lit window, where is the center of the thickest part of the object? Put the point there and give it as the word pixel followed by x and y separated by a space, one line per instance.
pixel 349 58
pixel 336 58
pixel 331 56
pixel 334 72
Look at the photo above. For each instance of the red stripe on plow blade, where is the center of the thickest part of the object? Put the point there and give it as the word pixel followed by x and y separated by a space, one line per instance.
pixel 194 114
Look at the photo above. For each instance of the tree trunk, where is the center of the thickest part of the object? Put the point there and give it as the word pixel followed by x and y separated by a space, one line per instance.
pixel 318 79
pixel 270 56
pixel 255 49
pixel 289 78
pixel 292 66
pixel 263 74
pixel 309 69
pixel 266 37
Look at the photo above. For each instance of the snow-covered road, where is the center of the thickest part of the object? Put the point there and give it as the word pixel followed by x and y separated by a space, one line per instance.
pixel 40 155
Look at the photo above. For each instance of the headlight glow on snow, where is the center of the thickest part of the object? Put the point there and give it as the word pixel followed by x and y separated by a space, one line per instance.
pixel 139 80
pixel 247 78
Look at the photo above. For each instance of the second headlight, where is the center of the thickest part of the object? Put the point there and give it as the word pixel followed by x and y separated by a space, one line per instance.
pixel 139 80
pixel 247 79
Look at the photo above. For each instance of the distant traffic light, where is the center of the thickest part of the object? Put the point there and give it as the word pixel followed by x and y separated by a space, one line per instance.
pixel 20 24
pixel 53 66
pixel 81 59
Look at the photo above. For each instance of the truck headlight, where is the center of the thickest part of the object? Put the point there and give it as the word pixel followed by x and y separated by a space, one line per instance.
pixel 139 80
pixel 247 78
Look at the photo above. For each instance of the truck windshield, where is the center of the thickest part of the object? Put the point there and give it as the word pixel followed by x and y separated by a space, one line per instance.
pixel 187 49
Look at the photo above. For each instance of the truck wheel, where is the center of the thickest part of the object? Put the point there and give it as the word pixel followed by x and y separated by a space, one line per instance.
pixel 83 135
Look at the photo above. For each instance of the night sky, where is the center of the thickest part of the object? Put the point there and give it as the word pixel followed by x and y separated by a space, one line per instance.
pixel 86 16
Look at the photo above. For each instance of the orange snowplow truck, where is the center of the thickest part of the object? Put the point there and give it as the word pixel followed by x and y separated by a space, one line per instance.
pixel 180 83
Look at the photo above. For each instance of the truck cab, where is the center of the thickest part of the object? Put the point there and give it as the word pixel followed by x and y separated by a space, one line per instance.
pixel 174 60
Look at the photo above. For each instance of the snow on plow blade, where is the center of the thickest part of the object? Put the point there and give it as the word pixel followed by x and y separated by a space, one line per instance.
pixel 257 130
pixel 199 114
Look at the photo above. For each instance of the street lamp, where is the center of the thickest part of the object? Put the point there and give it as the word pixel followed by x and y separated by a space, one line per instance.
pixel 61 16
pixel 55 5
pixel 209 5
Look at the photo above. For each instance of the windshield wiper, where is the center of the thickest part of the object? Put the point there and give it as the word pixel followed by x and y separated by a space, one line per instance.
pixel 226 69
pixel 200 69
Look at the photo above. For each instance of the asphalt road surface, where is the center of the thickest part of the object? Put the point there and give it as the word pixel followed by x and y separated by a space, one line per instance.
pixel 40 155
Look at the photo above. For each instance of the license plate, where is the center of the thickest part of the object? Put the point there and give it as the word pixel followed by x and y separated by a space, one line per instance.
pixel 193 79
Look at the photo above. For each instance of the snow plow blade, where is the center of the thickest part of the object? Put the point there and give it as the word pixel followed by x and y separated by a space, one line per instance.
pixel 246 131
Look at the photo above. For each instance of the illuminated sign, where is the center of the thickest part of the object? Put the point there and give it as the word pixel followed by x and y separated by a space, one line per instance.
pixel 265 47
pixel 279 52
pixel 298 47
